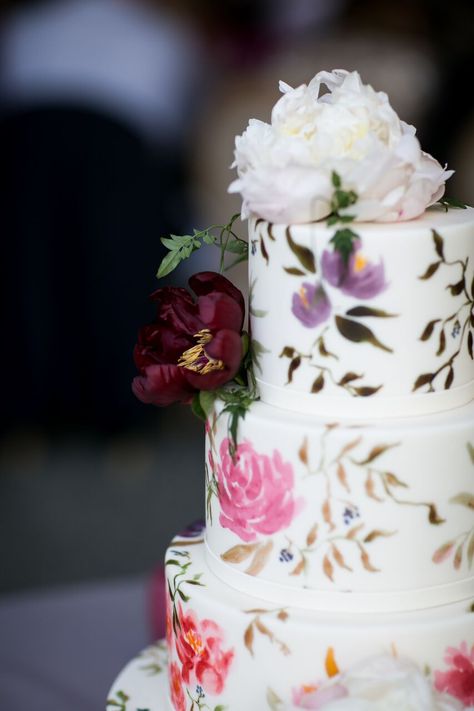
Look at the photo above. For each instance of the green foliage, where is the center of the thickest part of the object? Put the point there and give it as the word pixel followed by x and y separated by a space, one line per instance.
pixel 341 200
pixel 448 203
pixel 343 241
pixel 181 247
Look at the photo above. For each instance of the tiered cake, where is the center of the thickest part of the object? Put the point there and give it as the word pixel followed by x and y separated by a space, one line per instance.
pixel 340 528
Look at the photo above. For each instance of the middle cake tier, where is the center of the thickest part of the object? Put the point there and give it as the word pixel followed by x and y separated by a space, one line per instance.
pixel 381 510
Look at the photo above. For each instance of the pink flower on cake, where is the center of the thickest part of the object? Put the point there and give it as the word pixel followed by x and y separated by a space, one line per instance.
pixel 313 697
pixel 459 679
pixel 199 647
pixel 176 689
pixel 255 491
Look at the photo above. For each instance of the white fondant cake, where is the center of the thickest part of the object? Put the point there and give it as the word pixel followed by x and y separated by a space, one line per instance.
pixel 337 563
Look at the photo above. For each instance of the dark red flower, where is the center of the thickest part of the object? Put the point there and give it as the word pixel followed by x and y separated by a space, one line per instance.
pixel 194 343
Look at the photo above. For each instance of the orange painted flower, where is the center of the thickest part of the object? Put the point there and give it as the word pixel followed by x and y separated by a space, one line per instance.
pixel 199 647
pixel 176 689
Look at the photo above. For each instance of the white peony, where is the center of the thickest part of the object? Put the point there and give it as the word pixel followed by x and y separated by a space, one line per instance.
pixel 285 168
pixel 382 683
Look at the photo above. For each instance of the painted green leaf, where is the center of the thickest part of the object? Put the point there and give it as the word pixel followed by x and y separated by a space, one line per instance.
pixel 263 250
pixel 432 269
pixel 360 311
pixel 318 384
pixel 359 333
pixel 429 328
pixel 439 243
pixel 470 449
pixel 442 343
pixel 294 365
pixel 457 288
pixel 303 254
pixel 294 271
pixel 464 499
pixel 349 378
pixel 424 379
pixel 449 378
pixel 367 390
pixel 324 351
pixel 469 345
pixel 287 352
pixel 470 550
pixel 433 515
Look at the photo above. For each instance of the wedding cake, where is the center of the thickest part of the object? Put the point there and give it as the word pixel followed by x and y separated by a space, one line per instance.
pixel 336 567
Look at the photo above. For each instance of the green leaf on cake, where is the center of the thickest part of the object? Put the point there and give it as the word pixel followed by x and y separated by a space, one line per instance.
pixel 359 333
pixel 449 202
pixel 470 449
pixel 361 311
pixel 343 241
pixel 428 330
pixel 304 255
pixel 439 243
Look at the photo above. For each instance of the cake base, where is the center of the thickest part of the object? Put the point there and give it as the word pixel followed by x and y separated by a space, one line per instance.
pixel 143 683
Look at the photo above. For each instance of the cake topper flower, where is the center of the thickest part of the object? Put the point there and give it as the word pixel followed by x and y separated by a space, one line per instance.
pixel 285 168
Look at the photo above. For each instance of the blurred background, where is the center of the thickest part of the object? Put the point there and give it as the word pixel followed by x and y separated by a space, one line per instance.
pixel 117 124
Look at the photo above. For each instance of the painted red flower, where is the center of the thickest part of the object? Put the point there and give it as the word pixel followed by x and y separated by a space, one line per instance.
pixel 459 679
pixel 176 689
pixel 199 647
pixel 194 343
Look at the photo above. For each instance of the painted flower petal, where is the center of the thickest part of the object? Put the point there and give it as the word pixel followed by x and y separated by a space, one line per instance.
pixel 311 305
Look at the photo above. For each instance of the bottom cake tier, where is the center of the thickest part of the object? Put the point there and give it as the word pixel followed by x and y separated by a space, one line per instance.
pixel 230 650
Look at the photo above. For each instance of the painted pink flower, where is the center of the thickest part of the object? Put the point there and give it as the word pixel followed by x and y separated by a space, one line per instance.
pixel 312 697
pixel 459 679
pixel 311 305
pixel 357 277
pixel 255 491
pixel 176 689
pixel 199 647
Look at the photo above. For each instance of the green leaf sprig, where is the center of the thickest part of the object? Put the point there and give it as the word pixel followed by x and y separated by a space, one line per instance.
pixel 343 238
pixel 448 203
pixel 222 236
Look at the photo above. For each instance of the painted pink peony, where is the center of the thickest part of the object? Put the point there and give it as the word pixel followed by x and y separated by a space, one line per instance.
pixel 459 679
pixel 199 647
pixel 176 688
pixel 255 491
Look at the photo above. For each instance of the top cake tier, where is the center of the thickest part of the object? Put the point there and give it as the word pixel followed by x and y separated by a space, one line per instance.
pixel 381 325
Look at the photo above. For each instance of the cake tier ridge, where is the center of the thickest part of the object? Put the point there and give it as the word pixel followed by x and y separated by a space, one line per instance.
pixel 361 516
pixel 377 321
pixel 219 637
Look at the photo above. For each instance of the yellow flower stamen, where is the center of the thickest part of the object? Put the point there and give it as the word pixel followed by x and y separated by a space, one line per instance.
pixel 195 642
pixel 331 665
pixel 196 358
pixel 360 262
pixel 303 297
pixel 309 688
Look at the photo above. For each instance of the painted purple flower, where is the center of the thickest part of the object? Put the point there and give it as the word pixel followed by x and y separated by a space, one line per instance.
pixel 359 277
pixel 194 529
pixel 311 305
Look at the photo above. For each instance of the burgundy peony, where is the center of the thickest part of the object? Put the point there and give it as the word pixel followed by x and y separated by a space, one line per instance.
pixel 358 277
pixel 194 344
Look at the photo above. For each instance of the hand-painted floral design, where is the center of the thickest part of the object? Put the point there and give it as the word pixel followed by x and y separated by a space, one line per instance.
pixel 194 344
pixel 199 645
pixel 454 333
pixel 355 277
pixel 176 688
pixel 311 305
pixel 255 491
pixel 459 679
pixel 258 626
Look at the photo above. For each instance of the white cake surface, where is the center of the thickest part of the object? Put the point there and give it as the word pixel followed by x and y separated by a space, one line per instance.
pixel 242 652
pixel 389 334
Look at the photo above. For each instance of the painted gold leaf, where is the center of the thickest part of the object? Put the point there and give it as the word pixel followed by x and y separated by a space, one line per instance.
pixel 470 449
pixel 424 379
pixel 263 250
pixel 298 569
pixel 458 556
pixel 282 615
pixel 312 535
pixel 364 556
pixel 393 480
pixel 342 476
pixel 248 638
pixel 429 328
pixel 376 533
pixel 330 663
pixel 339 558
pixel 304 255
pixel 376 452
pixel 326 511
pixel 358 333
pixel 294 365
pixel 352 533
pixel 263 629
pixel 303 451
pixel 464 499
pixel 439 243
pixel 349 446
pixel 443 552
pixel 433 515
pixel 328 568
pixel 370 488
pixel 318 384
pixel 239 553
pixel 470 550
pixel 432 269
pixel 260 559
pixel 273 700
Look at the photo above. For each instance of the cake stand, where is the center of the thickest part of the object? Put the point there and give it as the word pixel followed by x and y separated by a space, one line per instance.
pixel 143 683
